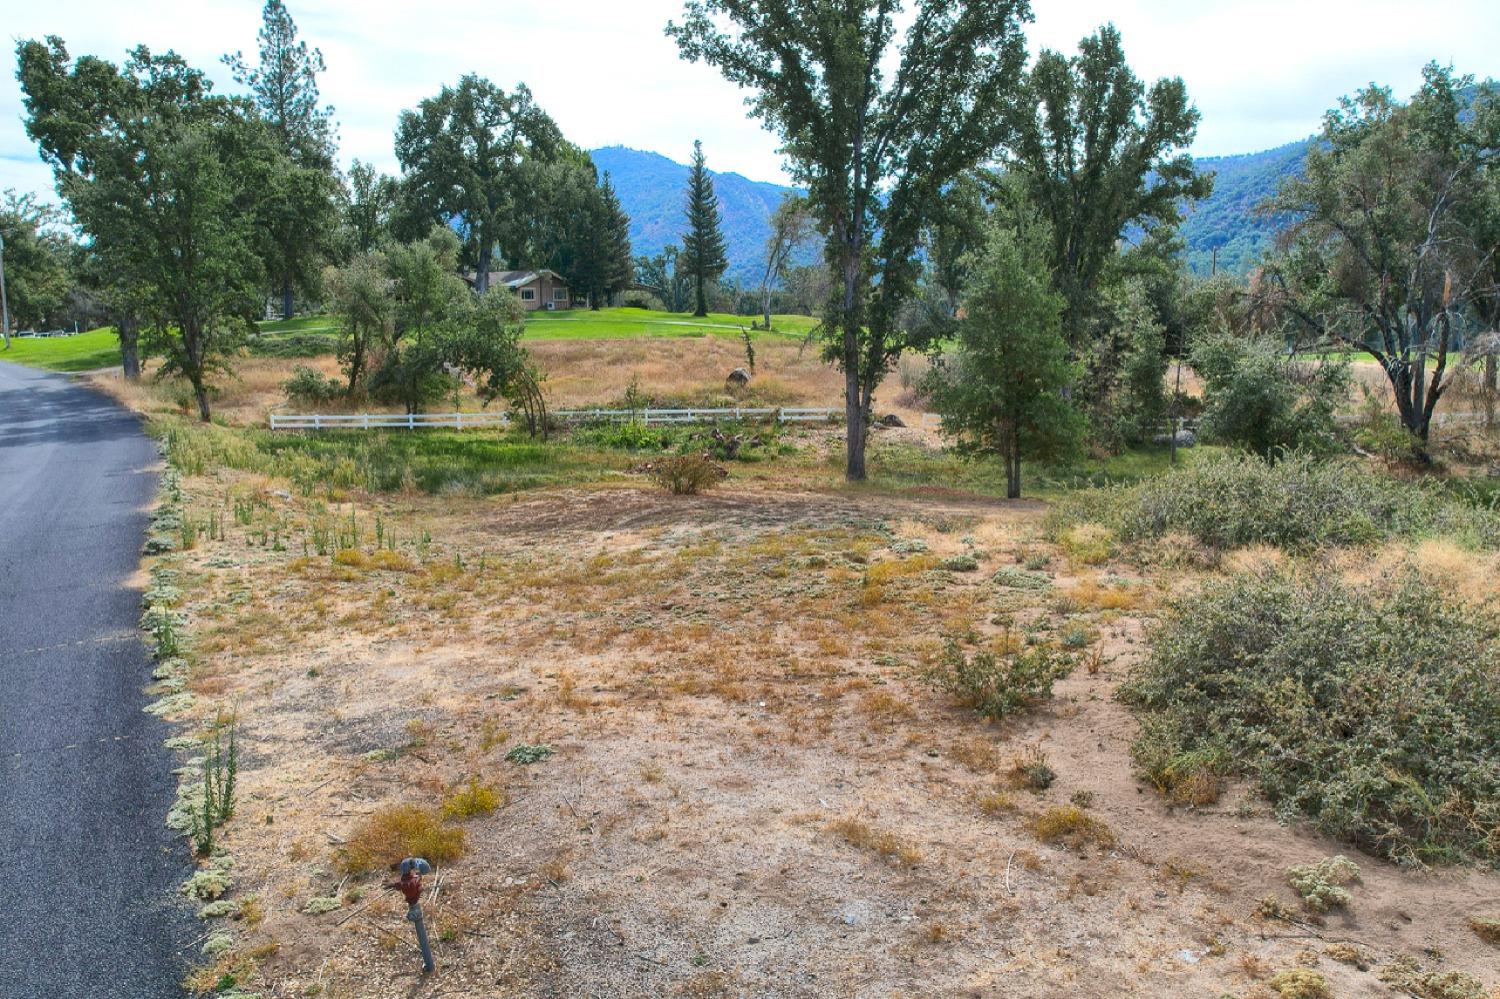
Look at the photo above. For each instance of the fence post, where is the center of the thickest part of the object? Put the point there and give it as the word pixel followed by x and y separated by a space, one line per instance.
pixel 411 421
pixel 317 421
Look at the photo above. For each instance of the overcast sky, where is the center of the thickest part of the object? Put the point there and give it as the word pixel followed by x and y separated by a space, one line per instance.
pixel 1261 73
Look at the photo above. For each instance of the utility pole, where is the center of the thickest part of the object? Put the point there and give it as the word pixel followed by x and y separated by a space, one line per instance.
pixel 4 304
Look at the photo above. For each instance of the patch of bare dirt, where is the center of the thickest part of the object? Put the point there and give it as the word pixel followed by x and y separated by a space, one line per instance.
pixel 750 790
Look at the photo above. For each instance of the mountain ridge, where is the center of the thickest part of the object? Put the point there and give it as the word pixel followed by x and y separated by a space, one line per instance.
pixel 651 187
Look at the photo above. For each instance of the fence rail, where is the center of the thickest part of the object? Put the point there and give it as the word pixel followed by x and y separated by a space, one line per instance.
pixel 475 421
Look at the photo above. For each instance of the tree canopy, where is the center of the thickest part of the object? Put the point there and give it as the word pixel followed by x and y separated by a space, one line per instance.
pixel 1384 253
pixel 473 157
pixel 1000 390
pixel 876 127
pixel 167 180
pixel 1100 152
pixel 298 217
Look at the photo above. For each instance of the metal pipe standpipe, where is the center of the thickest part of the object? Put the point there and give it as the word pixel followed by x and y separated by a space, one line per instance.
pixel 410 885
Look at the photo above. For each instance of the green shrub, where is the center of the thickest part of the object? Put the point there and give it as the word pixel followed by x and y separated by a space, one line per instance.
pixel 311 388
pixel 1372 712
pixel 999 686
pixel 1231 501
pixel 1258 399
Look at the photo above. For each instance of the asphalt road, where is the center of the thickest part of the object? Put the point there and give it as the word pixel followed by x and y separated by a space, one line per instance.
pixel 87 869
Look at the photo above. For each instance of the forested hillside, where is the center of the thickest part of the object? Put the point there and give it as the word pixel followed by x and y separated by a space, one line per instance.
pixel 1229 220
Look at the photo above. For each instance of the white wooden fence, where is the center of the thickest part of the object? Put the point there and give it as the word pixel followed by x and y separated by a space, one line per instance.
pixel 474 421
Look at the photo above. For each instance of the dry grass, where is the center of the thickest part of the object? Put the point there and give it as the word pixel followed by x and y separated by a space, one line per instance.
pixel 1073 827
pixel 882 842
pixel 396 831
pixel 1094 594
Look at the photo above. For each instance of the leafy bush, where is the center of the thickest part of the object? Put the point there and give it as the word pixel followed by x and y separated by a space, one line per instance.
pixel 310 387
pixel 1231 501
pixel 525 753
pixel 999 686
pixel 638 299
pixel 1372 712
pixel 685 474
pixel 1257 399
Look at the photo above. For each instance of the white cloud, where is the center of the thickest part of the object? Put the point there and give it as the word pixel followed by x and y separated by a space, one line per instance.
pixel 1261 73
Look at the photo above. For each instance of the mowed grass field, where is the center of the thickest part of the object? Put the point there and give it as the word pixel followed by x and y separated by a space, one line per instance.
pixel 614 324
pixel 100 349
pixel 95 349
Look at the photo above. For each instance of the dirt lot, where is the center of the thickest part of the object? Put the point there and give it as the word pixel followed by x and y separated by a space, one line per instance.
pixel 750 790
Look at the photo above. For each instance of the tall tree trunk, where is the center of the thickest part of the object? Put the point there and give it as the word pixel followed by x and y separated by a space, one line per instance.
pixel 356 363
pixel 765 303
pixel 854 419
pixel 482 272
pixel 1013 467
pixel 1491 386
pixel 288 303
pixel 702 309
pixel 130 352
pixel 200 392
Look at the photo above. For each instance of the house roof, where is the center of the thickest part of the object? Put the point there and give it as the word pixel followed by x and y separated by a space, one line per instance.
pixel 515 279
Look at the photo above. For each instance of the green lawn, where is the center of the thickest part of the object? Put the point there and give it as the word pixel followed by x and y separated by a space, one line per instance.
pixel 301 324
pixel 98 348
pixel 611 324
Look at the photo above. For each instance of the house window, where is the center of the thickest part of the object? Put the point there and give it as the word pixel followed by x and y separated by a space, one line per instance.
pixel 559 294
pixel 528 294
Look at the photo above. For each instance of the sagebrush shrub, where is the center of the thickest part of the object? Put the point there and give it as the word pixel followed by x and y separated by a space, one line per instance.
pixel 685 474
pixel 999 685
pixel 1321 885
pixel 1299 502
pixel 1372 711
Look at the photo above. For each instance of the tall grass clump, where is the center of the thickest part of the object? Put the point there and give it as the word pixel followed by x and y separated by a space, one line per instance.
pixel 1298 502
pixel 1370 710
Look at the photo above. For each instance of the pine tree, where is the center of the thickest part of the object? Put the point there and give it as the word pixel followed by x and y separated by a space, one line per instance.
pixel 284 87
pixel 703 243
pixel 619 265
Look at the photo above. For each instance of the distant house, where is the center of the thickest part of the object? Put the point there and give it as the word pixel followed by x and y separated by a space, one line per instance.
pixel 540 289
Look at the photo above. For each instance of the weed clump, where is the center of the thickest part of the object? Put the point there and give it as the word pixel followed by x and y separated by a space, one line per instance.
pixel 886 844
pixel 1300 983
pixel 1487 928
pixel 1032 769
pixel 1072 826
pixel 997 686
pixel 410 830
pixel 524 753
pixel 470 800
pixel 1321 885
pixel 1371 712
